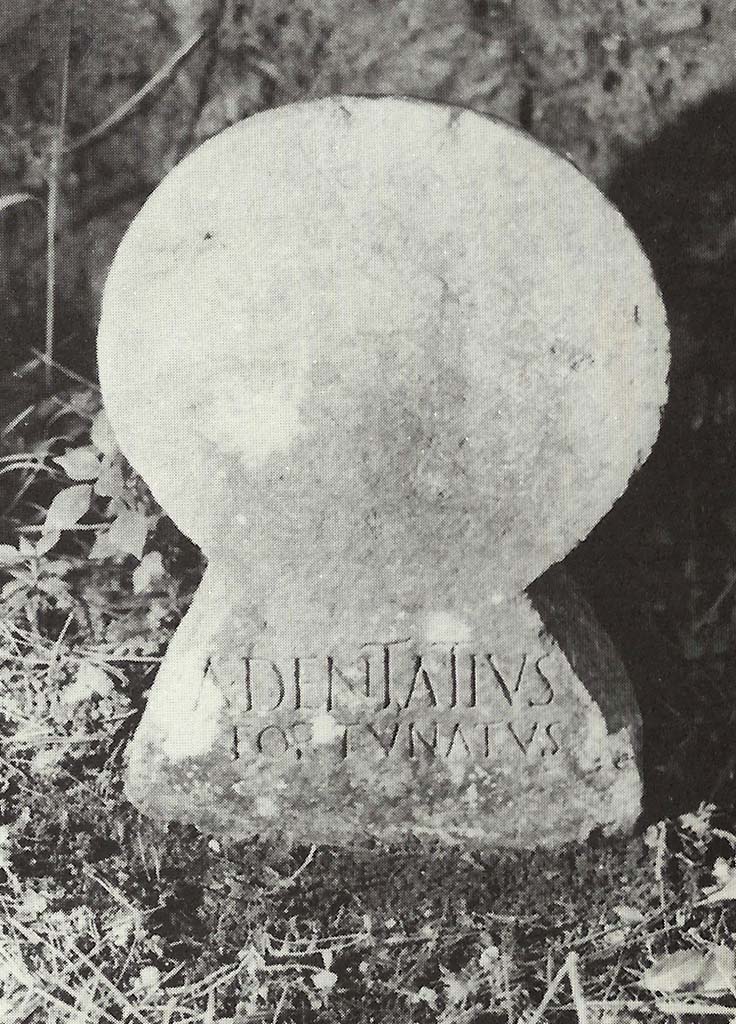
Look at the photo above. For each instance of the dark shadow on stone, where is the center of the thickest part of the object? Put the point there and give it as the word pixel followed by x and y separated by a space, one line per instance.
pixel 659 560
pixel 571 622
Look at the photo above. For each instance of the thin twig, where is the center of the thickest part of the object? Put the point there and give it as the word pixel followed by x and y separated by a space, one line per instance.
pixel 577 989
pixel 551 990
pixel 508 995
pixel 16 421
pixel 66 371
pixel 52 210
pixel 640 1006
pixel 284 883
pixel 659 865
pixel 55 980
pixel 711 614
pixel 131 105
pixel 281 1004
pixel 680 1007
pixel 36 998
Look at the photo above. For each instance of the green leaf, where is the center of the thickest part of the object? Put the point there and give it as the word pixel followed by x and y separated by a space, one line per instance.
pixel 110 482
pixel 101 434
pixel 89 680
pixel 324 981
pixel 26 547
pixel 80 463
pixel 48 540
pixel 675 972
pixel 47 760
pixel 55 587
pixel 691 970
pixel 68 507
pixel 10 555
pixel 128 532
pixel 15 199
pixel 150 569
pixel 102 548
pixel 628 915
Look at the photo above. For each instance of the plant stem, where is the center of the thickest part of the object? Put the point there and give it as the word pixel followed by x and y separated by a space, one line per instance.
pixel 131 105
pixel 57 146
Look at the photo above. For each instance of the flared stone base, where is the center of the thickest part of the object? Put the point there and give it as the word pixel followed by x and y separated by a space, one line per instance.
pixel 477 728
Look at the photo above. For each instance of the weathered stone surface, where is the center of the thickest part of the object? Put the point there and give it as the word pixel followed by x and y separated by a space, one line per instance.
pixel 470 729
pixel 404 332
pixel 386 362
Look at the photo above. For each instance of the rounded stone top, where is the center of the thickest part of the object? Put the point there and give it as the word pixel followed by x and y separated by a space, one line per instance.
pixel 378 331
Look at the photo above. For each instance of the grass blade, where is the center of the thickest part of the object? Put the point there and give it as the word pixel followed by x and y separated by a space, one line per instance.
pixel 130 105
pixel 16 198
pixel 53 204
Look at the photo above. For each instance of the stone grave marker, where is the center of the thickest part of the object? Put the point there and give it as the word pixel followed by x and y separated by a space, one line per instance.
pixel 386 362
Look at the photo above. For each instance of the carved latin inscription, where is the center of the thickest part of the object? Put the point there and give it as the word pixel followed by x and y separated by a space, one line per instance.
pixel 447 702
